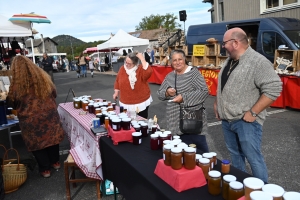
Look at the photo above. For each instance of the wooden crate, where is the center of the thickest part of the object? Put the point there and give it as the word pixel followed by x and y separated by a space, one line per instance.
pixel 170 49
pixel 185 49
pixel 161 51
pixel 212 49
pixel 189 59
pixel 210 60
pixel 291 55
pixel 220 60
pixel 198 61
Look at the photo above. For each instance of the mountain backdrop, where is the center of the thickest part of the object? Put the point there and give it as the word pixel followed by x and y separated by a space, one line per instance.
pixel 66 42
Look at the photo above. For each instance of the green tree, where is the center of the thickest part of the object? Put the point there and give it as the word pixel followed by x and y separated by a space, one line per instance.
pixel 167 21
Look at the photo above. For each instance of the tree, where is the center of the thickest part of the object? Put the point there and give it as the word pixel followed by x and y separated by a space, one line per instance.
pixel 167 21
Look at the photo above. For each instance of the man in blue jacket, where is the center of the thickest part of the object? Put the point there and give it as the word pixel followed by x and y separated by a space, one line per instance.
pixel 47 65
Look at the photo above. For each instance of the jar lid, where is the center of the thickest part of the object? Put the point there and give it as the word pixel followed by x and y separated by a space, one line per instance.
pixel 291 195
pixel 253 183
pixel 91 101
pixel 207 155
pixel 176 150
pixel 163 135
pixel 152 135
pixel 158 132
pixel 176 137
pixel 213 153
pixel 90 104
pixel 181 145
pixel 115 120
pixel 144 124
pixel 136 134
pixel 169 146
pixel 85 102
pixel 112 112
pixel 99 114
pixel 105 103
pixel 198 156
pixel 126 119
pixel 259 195
pixel 214 173
pixel 98 109
pixel 226 162
pixel 190 149
pixel 192 145
pixel 273 189
pixel 103 108
pixel 204 160
pixel 236 185
pixel 177 140
pixel 229 178
pixel 138 126
pixel 100 103
pixel 166 141
pixel 167 132
pixel 134 121
pixel 106 118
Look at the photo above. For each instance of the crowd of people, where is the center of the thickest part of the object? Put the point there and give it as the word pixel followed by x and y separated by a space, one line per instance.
pixel 247 86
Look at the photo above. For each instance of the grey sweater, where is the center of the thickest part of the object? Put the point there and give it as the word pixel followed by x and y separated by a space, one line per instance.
pixel 192 87
pixel 253 76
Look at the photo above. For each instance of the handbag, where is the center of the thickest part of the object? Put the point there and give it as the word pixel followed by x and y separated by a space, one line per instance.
pixel 190 118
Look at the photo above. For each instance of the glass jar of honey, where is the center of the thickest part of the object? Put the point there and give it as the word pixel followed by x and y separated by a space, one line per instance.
pixel 176 158
pixel 97 110
pixel 176 137
pixel 165 142
pixel 77 103
pixel 91 108
pixel 116 124
pixel 236 190
pixel 126 123
pixel 153 141
pixel 84 105
pixel 275 191
pixel 225 185
pixel 260 195
pixel 252 184
pixel 204 163
pixel 210 157
pixel 162 138
pixel 198 156
pixel 167 154
pixel 225 166
pixel 189 157
pixel 144 129
pixel 215 160
pixel 136 138
pixel 169 134
pixel 214 182
pixel 291 196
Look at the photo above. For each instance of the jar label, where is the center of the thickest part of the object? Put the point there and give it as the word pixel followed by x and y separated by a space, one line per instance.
pixel 181 160
pixel 140 141
pixel 114 127
pixel 212 165
pixel 76 104
pixel 86 107
pixel 164 156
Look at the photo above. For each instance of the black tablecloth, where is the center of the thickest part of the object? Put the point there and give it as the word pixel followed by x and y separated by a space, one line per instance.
pixel 131 168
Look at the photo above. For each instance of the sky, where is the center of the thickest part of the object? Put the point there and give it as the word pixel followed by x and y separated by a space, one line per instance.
pixel 94 20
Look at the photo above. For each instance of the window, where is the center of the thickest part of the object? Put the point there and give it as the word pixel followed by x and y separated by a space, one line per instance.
pixel 271 42
pixel 221 11
pixel 267 6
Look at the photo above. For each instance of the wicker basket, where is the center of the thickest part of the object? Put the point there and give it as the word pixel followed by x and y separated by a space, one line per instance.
pixel 14 175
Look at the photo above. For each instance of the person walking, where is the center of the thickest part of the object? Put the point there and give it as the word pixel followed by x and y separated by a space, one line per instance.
pixel 147 55
pixel 32 94
pixel 67 64
pixel 82 63
pixel 131 83
pixel 47 65
pixel 247 86
pixel 91 67
pixel 178 87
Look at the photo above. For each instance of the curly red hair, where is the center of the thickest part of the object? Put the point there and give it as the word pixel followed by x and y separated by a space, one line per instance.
pixel 27 76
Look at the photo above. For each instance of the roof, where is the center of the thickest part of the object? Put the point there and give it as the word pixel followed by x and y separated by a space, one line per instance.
pixel 148 34
pixel 38 42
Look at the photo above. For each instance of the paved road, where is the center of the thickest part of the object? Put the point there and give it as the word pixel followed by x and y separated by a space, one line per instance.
pixel 280 145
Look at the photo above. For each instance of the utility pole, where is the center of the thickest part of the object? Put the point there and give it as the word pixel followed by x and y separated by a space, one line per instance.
pixel 71 47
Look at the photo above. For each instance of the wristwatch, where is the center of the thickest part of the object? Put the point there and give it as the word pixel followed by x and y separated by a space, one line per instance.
pixel 253 113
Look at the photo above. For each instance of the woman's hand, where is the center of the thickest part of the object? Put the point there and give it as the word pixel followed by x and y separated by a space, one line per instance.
pixel 216 110
pixel 140 56
pixel 171 92
pixel 178 99
pixel 115 95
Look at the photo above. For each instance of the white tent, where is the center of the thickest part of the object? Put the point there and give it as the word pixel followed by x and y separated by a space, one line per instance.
pixel 123 39
pixel 13 30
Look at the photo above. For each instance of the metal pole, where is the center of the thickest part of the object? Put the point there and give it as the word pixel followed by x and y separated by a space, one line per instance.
pixel 32 47
pixel 71 47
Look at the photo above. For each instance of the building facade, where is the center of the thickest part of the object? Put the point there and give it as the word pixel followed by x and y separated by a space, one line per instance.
pixel 231 10
pixel 50 46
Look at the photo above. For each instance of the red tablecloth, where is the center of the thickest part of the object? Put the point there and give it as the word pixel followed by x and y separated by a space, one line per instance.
pixel 210 75
pixel 290 95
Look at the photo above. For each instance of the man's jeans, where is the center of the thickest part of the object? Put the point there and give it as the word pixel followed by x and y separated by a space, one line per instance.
pixel 243 140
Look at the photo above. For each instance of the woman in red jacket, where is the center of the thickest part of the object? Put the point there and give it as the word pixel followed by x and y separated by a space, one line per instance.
pixel 132 86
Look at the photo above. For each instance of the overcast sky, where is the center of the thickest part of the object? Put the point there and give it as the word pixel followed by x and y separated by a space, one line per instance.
pixel 93 20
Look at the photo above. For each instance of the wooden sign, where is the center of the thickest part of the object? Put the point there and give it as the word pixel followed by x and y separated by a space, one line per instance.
pixel 198 50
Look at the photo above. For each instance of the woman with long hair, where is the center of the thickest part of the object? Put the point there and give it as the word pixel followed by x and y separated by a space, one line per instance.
pixel 32 94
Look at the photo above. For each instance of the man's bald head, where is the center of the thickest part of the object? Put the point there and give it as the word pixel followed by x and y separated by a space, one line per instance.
pixel 238 34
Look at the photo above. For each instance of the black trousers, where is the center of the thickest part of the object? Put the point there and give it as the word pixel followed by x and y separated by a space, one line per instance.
pixel 144 113
pixel 47 157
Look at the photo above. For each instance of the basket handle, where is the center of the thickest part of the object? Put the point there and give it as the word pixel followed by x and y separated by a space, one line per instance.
pixel 1 145
pixel 6 156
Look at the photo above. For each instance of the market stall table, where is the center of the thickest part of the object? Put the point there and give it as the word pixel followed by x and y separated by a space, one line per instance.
pixel 10 123
pixel 131 168
pixel 210 75
pixel 84 144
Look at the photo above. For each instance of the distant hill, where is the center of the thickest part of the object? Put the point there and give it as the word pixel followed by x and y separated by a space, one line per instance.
pixel 65 40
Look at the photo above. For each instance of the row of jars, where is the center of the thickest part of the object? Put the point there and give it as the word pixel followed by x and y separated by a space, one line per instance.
pixel 252 188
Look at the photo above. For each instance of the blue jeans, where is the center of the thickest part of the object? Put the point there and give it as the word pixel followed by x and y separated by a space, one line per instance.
pixel 198 140
pixel 83 70
pixel 243 140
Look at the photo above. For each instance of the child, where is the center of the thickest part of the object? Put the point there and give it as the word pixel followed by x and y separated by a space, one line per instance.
pixel 91 67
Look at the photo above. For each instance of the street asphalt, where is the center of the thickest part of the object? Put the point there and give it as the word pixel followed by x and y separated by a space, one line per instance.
pixel 280 142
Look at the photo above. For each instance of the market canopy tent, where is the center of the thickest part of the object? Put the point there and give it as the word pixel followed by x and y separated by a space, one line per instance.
pixel 95 49
pixel 19 31
pixel 123 39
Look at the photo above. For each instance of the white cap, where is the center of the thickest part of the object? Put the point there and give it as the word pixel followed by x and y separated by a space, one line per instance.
pixel 229 178
pixel 198 156
pixel 207 155
pixel 260 195
pixel 176 137
pixel 176 150
pixel 190 149
pixel 152 135
pixel 168 146
pixel 253 183
pixel 274 190
pixel 204 160
pixel 236 185
pixel 214 174
pixel 291 196
pixel 136 134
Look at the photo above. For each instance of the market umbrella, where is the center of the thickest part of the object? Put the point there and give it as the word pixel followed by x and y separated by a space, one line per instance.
pixel 31 17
